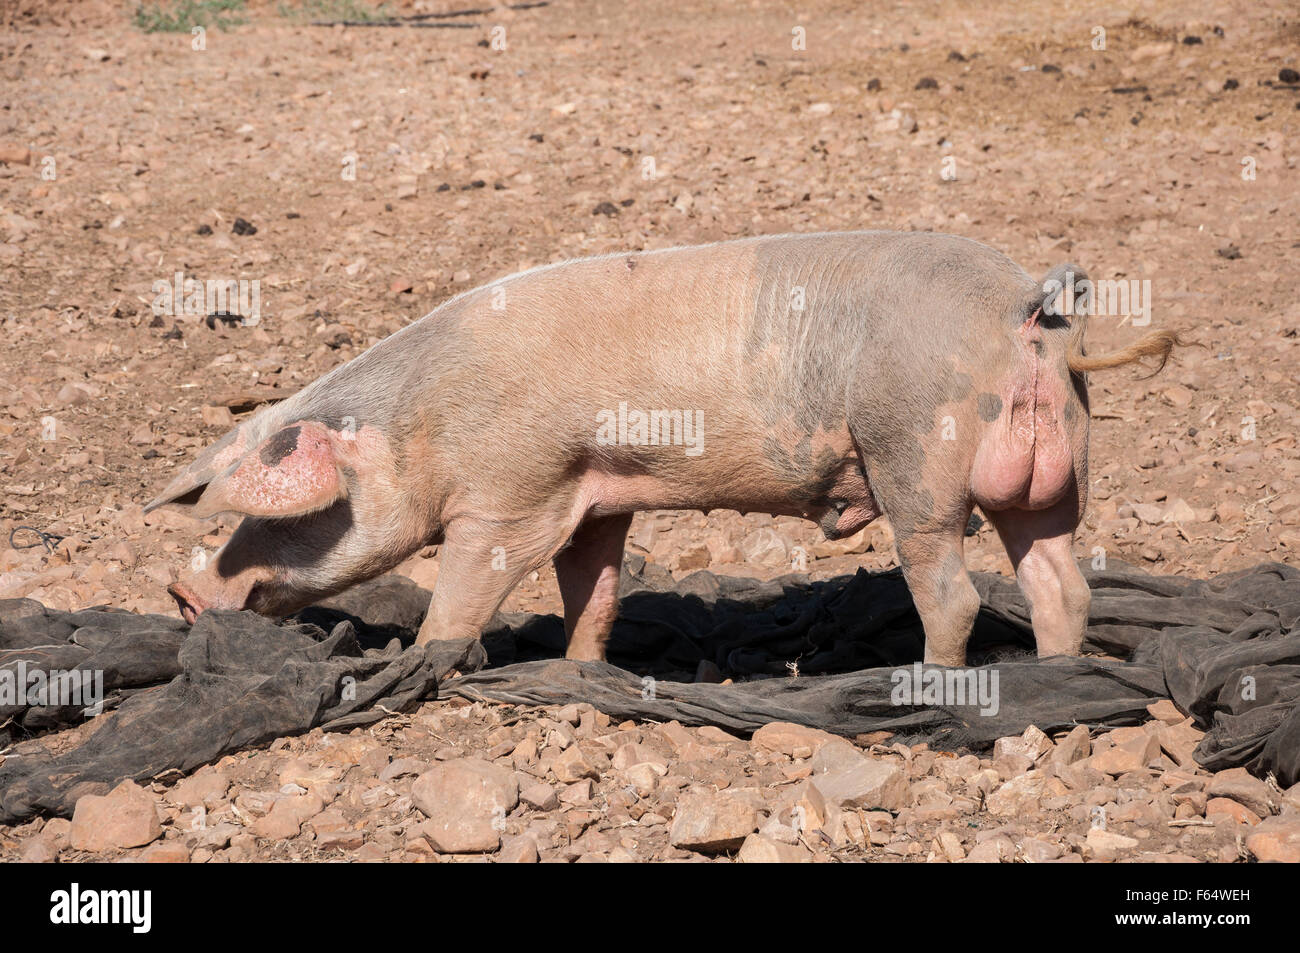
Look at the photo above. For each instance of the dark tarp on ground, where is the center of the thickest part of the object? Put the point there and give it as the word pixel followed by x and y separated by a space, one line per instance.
pixel 1226 650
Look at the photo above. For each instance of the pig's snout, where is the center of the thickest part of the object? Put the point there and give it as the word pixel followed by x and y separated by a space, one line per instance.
pixel 233 585
pixel 208 589
pixel 189 604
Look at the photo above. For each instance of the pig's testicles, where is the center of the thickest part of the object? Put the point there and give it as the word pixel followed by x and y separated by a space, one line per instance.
pixel 1026 455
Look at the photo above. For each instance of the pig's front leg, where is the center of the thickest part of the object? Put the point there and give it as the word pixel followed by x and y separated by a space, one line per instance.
pixel 479 564
pixel 1038 544
pixel 588 572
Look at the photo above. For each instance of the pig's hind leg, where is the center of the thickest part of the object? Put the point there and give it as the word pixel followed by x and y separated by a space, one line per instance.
pixel 588 573
pixel 928 508
pixel 935 569
pixel 1038 543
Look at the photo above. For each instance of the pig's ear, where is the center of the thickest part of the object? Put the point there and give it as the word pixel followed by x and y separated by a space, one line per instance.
pixel 293 472
pixel 185 490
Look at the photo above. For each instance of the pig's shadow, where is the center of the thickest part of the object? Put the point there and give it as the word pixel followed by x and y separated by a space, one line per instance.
pixel 707 625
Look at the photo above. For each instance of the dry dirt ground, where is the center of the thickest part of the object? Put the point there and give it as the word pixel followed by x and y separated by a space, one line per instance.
pixel 383 170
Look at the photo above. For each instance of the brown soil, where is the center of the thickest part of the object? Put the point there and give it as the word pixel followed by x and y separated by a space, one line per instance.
pixel 472 162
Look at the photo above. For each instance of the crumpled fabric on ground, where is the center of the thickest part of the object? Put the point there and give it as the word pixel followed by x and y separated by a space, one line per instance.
pixel 831 654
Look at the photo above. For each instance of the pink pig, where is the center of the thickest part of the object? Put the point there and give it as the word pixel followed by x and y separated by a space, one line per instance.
pixel 835 377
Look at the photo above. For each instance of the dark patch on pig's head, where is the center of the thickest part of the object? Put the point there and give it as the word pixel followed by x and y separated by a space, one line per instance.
pixel 279 446
pixel 990 405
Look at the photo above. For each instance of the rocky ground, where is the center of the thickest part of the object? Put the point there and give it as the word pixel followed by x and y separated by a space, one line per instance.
pixel 128 156
pixel 460 782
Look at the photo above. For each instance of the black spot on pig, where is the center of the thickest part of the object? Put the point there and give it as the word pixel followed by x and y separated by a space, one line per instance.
pixel 830 519
pixel 280 446
pixel 990 405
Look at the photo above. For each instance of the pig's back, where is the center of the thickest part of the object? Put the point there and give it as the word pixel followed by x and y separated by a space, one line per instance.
pixel 782 322
pixel 760 339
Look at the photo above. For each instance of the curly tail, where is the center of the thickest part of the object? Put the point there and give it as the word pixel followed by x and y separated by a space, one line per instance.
pixel 1066 292
pixel 1157 345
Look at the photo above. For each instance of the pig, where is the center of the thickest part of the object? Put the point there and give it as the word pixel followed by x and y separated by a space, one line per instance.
pixel 835 377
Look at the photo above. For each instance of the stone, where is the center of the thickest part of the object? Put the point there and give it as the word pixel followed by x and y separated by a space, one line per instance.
pixel 632 754
pixel 1075 746
pixel 712 823
pixel 218 417
pixel 951 846
pixel 573 765
pixel 1133 753
pixel 466 802
pixel 518 850
pixel 1037 851
pixel 849 779
pixel 1166 711
pixel 644 777
pixel 1276 840
pixel 1238 812
pixel 207 787
pixel 216 837
pixel 808 811
pixel 577 794
pixel 765 547
pixel 784 737
pixel 539 795
pixel 1244 788
pixel 994 850
pixel 166 852
pixel 287 815
pixel 125 817
pixel 328 822
pixel 39 850
pixel 1101 839
pixel 773 829
pixel 758 849
pixel 343 839
pixel 11 153
pixel 1012 765
pixel 1179 741
pixel 1032 743
pixel 1018 796
pixel 401 768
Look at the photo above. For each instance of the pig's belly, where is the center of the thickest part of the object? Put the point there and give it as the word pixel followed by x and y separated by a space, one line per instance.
pixel 840 502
